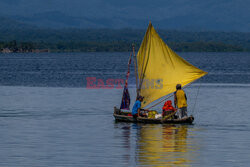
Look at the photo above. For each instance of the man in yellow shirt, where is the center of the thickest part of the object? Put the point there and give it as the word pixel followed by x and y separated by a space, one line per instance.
pixel 180 101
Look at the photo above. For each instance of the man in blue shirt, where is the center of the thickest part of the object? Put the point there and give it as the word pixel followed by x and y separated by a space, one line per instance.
pixel 136 107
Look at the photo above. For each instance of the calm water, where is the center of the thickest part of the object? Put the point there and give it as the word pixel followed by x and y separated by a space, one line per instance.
pixel 49 118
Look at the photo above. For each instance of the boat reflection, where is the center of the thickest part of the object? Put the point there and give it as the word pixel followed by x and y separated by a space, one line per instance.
pixel 163 145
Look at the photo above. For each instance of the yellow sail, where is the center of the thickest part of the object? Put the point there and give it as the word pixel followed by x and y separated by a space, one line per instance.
pixel 160 68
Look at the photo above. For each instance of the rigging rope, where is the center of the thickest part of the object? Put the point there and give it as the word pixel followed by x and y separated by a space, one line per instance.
pixel 196 98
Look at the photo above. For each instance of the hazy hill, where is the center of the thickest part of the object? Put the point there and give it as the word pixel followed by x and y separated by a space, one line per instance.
pixel 11 24
pixel 194 15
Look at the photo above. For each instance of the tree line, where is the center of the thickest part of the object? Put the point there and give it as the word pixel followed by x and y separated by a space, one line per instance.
pixel 119 40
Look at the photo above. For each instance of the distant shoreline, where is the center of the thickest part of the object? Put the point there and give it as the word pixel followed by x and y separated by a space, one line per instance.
pixel 36 47
pixel 117 40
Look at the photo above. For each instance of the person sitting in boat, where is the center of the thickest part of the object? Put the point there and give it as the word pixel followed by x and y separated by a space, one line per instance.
pixel 180 101
pixel 137 107
pixel 168 109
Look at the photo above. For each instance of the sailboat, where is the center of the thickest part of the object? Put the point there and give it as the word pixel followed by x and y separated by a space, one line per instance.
pixel 158 69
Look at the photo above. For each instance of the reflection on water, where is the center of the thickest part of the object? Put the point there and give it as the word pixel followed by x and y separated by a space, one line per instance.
pixel 62 127
pixel 163 145
pixel 127 143
pixel 159 145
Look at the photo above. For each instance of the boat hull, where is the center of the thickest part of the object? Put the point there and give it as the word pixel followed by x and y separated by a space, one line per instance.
pixel 123 117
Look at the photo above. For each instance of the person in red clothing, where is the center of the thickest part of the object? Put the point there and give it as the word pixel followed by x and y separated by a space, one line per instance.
pixel 167 108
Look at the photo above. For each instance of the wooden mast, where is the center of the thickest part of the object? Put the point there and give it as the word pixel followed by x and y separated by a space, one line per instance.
pixel 136 75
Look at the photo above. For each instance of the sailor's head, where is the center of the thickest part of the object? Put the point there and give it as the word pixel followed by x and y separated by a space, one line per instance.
pixel 140 98
pixel 178 86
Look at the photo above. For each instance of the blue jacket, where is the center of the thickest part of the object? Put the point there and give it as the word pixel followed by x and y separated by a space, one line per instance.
pixel 136 106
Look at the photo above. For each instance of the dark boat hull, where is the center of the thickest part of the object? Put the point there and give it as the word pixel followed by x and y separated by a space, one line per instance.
pixel 123 117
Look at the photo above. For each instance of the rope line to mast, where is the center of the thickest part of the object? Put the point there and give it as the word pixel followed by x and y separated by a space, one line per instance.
pixel 195 101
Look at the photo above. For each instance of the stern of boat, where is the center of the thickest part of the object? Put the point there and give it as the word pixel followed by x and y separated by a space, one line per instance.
pixel 122 116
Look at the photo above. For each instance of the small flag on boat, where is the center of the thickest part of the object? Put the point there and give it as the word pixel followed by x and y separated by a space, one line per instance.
pixel 125 99
pixel 125 96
